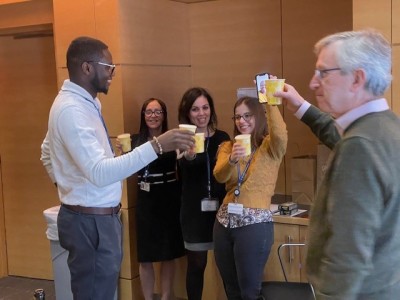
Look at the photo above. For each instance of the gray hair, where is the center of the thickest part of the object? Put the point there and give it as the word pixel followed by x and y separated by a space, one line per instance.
pixel 365 49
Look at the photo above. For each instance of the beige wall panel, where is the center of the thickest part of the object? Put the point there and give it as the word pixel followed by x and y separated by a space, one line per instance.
pixel 395 21
pixel 96 18
pixel 3 249
pixel 299 59
pixel 396 81
pixel 374 14
pixel 129 266
pixel 27 93
pixel 231 41
pixel 26 13
pixel 143 82
pixel 66 27
pixel 154 32
pixel 107 26
pixel 129 289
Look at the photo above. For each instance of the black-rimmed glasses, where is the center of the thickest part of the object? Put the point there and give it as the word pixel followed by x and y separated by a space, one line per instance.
pixel 149 112
pixel 111 67
pixel 246 117
pixel 322 73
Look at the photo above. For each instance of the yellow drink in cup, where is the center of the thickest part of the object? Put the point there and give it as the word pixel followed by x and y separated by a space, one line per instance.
pixel 199 145
pixel 245 141
pixel 272 86
pixel 125 140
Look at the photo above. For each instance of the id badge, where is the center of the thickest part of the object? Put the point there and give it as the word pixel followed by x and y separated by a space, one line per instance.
pixel 209 204
pixel 235 208
pixel 145 186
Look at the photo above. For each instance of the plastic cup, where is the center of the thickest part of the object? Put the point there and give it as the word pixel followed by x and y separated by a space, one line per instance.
pixel 192 128
pixel 125 140
pixel 272 86
pixel 199 142
pixel 245 141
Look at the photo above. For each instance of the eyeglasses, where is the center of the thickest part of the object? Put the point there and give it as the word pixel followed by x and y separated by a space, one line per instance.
pixel 246 117
pixel 111 67
pixel 322 73
pixel 149 113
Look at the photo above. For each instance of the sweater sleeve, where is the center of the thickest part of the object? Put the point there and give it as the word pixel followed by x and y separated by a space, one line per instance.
pixel 322 125
pixel 277 138
pixel 223 170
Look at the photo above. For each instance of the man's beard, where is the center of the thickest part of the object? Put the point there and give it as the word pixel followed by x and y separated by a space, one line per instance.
pixel 98 86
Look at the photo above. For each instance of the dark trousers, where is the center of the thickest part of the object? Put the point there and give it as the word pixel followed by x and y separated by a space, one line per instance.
pixel 94 243
pixel 241 254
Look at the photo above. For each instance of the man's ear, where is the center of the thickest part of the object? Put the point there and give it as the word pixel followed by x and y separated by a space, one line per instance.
pixel 86 68
pixel 359 79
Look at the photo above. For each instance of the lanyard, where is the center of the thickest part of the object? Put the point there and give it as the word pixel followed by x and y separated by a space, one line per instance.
pixel 104 125
pixel 242 175
pixel 146 173
pixel 208 165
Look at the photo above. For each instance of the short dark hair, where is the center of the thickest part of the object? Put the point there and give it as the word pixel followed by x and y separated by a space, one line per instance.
pixel 188 98
pixel 144 129
pixel 258 111
pixel 84 49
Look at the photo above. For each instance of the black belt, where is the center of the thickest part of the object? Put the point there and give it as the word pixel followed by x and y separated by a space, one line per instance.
pixel 93 210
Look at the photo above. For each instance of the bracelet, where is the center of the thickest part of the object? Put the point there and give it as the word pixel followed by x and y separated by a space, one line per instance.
pixel 232 163
pixel 158 145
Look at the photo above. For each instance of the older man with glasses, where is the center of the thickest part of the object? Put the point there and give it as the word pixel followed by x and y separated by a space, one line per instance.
pixel 354 231
pixel 79 158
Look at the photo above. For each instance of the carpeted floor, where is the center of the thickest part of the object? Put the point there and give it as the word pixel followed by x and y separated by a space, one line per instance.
pixel 21 288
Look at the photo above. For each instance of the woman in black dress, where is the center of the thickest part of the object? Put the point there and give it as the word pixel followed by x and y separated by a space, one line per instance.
pixel 201 194
pixel 158 231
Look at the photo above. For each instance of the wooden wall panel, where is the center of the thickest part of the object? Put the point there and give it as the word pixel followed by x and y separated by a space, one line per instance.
pixel 67 28
pixel 231 41
pixel 299 59
pixel 383 16
pixel 374 14
pixel 3 244
pixel 130 289
pixel 396 79
pixel 395 13
pixel 154 33
pixel 129 266
pixel 26 13
pixel 27 93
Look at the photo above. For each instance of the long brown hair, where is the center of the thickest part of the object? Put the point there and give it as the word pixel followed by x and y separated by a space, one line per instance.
pixel 188 98
pixel 258 111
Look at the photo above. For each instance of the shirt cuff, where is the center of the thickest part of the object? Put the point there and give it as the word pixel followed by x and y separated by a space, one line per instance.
pixel 302 110
pixel 148 152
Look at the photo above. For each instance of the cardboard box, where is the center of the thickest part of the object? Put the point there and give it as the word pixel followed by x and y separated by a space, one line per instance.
pixel 303 171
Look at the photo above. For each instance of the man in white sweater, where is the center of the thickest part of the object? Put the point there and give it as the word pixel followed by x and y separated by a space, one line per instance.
pixel 79 158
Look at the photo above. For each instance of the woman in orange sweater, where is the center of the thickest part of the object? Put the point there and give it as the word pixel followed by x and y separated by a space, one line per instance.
pixel 243 230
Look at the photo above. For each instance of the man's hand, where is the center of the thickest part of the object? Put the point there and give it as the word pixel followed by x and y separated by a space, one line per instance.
pixel 291 98
pixel 176 139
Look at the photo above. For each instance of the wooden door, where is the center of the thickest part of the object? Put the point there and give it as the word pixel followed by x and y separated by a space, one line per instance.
pixel 3 251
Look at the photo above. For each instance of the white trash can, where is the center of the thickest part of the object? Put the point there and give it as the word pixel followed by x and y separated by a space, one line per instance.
pixel 59 256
